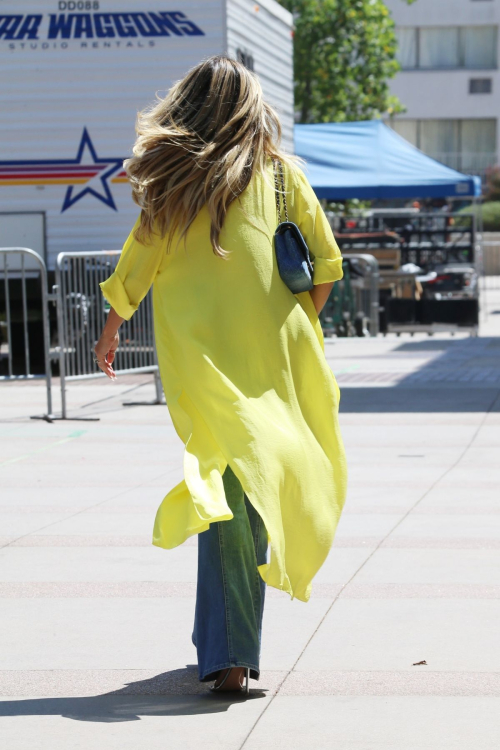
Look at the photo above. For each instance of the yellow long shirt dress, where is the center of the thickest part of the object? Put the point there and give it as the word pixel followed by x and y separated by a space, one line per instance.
pixel 245 377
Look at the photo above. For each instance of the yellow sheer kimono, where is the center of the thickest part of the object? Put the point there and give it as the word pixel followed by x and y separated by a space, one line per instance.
pixel 245 378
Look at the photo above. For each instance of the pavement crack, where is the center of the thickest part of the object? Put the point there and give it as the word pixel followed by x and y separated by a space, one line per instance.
pixel 79 512
pixel 369 557
pixel 113 396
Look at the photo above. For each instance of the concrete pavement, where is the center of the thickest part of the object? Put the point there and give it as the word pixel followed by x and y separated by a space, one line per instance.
pixel 95 627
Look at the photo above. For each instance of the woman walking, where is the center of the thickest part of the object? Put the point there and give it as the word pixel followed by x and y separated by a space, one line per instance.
pixel 241 357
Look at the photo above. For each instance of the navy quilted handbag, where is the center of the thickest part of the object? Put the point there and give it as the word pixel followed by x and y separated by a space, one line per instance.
pixel 292 253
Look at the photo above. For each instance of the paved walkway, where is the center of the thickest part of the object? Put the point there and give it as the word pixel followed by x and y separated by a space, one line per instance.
pixel 398 648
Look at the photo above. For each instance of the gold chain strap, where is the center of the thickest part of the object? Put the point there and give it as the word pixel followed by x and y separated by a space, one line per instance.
pixel 277 190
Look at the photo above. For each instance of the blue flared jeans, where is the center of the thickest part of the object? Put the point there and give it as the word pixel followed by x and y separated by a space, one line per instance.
pixel 230 592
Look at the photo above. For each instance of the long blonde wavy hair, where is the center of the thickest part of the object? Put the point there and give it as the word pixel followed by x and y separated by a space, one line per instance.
pixel 201 145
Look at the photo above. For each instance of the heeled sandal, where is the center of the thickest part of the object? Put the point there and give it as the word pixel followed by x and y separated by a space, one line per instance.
pixel 243 688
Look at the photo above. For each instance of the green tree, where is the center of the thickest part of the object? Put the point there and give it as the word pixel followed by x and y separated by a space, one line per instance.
pixel 344 54
pixel 492 187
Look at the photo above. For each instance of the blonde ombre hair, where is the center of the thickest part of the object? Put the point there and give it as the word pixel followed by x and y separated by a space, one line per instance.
pixel 201 145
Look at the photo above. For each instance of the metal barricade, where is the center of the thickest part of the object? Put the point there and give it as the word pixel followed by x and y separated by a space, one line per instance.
pixel 366 289
pixel 491 259
pixel 21 264
pixel 354 301
pixel 81 315
pixel 490 277
pixel 82 310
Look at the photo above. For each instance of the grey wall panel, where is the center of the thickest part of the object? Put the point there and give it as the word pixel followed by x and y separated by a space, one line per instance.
pixel 266 34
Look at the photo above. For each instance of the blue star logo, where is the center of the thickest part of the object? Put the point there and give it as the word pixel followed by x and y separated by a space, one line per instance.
pixel 99 170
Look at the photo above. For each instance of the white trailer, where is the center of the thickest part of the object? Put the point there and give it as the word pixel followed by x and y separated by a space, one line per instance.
pixel 74 75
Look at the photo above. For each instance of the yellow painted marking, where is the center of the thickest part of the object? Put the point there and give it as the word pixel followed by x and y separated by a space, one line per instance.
pixel 47 181
pixel 71 436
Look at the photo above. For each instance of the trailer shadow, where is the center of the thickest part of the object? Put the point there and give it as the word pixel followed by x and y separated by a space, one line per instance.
pixel 463 376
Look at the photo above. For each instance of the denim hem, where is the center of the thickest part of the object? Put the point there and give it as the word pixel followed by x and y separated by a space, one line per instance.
pixel 212 673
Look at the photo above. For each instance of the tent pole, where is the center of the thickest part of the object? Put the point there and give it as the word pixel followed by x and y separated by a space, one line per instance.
pixel 479 250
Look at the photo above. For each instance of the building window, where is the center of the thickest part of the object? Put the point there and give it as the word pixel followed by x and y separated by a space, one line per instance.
pixel 479 46
pixel 407 129
pixel 466 145
pixel 407 47
pixel 447 47
pixel 439 48
pixel 480 86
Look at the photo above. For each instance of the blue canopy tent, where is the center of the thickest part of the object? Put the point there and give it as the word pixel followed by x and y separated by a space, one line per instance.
pixel 369 161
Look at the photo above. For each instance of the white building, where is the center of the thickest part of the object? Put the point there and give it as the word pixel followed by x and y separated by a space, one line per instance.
pixel 449 82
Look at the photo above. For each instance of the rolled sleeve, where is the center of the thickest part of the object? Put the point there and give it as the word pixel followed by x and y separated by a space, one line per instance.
pixel 114 291
pixel 327 270
pixel 135 272
pixel 316 230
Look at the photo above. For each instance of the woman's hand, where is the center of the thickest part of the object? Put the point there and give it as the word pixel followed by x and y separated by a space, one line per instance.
pixel 105 353
pixel 108 344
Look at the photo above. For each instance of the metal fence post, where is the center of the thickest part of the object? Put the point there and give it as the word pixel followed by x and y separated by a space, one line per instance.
pixel 46 340
pixel 23 253
pixel 7 309
pixel 56 290
pixel 374 293
pixel 158 383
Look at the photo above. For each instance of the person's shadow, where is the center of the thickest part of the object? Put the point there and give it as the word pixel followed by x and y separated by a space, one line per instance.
pixel 175 693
